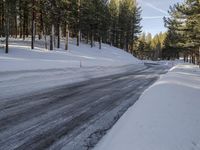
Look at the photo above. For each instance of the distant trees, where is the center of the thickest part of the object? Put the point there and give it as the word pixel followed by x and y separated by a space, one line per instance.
pixel 116 21
pixel 150 47
pixel 182 37
pixel 183 34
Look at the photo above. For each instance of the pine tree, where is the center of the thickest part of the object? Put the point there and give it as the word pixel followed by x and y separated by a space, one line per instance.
pixel 184 27
pixel 129 23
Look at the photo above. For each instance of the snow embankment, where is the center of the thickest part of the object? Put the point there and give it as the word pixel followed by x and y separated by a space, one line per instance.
pixel 166 117
pixel 23 71
pixel 21 57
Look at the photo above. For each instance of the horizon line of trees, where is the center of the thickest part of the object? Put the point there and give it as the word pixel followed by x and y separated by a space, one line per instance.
pixel 116 22
pixel 150 47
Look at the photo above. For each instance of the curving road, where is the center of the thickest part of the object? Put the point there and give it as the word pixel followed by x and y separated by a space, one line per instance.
pixel 73 116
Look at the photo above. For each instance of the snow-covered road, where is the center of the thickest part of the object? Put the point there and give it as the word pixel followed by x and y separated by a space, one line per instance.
pixel 61 115
pixel 18 83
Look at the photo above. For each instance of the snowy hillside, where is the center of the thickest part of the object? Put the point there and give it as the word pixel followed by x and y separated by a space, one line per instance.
pixel 23 70
pixel 21 57
pixel 166 117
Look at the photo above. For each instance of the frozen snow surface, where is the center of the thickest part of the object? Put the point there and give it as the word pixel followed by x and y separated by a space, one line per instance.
pixel 166 117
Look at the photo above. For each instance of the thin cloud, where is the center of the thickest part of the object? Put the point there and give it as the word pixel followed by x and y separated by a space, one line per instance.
pixel 156 8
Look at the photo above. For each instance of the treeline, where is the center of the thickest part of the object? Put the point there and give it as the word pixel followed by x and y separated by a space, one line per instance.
pixel 116 22
pixel 183 36
pixel 150 47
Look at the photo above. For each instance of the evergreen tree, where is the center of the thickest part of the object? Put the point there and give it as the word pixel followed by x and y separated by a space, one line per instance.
pixel 184 27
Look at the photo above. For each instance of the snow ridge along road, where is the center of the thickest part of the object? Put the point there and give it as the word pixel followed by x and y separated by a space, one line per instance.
pixel 73 116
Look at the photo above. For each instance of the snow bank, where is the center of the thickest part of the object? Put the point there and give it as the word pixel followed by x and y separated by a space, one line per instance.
pixel 21 57
pixel 166 117
pixel 24 71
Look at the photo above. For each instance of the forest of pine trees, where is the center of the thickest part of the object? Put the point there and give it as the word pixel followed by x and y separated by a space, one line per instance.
pixel 150 47
pixel 183 36
pixel 116 22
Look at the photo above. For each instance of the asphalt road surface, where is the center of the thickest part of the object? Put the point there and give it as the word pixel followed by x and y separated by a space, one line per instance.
pixel 73 116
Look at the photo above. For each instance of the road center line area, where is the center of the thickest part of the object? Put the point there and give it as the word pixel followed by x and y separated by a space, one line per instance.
pixel 72 116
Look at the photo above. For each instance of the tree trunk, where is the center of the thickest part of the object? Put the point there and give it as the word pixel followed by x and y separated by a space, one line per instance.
pixel 193 58
pixel 41 26
pixel 110 37
pixel 52 37
pixel 7 37
pixel 190 58
pixel 58 38
pixel 67 38
pixel 7 24
pixel 100 41
pixel 16 32
pixel 33 25
pixel 92 39
pixel 24 25
pixel 45 36
pixel 184 57
pixel 2 17
pixel 78 37
pixel 20 20
pixel 127 44
pixel 88 35
pixel 78 23
pixel 187 58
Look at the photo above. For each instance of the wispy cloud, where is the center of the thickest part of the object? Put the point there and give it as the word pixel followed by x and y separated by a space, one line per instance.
pixel 156 8
pixel 153 17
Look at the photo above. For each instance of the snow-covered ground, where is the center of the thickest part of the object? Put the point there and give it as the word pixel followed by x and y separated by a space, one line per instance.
pixel 166 117
pixel 23 70
pixel 21 57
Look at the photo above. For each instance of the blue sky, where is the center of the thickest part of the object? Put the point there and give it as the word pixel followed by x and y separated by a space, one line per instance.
pixel 153 13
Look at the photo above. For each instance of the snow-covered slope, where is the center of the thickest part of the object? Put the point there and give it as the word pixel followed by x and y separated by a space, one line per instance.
pixel 166 117
pixel 24 71
pixel 21 57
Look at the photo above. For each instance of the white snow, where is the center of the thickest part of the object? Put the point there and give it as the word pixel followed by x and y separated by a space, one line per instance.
pixel 166 117
pixel 23 70
pixel 21 57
